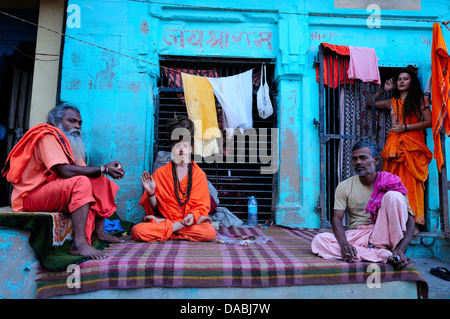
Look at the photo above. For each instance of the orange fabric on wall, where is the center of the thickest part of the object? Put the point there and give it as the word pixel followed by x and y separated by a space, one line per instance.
pixel 440 62
pixel 198 205
pixel 407 156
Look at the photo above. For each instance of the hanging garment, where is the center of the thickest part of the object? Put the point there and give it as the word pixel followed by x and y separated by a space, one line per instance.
pixel 173 78
pixel 335 65
pixel 264 104
pixel 440 61
pixel 201 108
pixel 234 93
pixel 364 65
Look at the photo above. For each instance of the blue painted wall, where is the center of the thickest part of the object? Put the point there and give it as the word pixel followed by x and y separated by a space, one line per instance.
pixel 116 92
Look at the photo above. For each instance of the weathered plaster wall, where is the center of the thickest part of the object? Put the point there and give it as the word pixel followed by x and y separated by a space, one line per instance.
pixel 117 93
pixel 18 264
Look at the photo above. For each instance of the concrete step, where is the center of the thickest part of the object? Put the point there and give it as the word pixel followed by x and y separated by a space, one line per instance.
pixel 438 288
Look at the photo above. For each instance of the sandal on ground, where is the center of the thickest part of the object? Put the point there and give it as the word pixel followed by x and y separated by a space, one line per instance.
pixel 441 272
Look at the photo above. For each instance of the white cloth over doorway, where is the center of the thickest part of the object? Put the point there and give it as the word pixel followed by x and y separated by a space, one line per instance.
pixel 235 94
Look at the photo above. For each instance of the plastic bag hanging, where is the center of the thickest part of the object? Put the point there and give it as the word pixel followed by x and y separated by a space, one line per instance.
pixel 263 98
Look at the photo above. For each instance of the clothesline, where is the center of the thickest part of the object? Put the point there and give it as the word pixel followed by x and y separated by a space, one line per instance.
pixel 164 67
pixel 235 95
pixel 359 64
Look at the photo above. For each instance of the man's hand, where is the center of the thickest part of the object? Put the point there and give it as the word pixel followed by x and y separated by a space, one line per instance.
pixel 188 220
pixel 148 182
pixel 398 259
pixel 115 170
pixel 348 252
pixel 204 219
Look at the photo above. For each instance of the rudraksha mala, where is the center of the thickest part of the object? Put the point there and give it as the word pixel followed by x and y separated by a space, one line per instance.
pixel 177 185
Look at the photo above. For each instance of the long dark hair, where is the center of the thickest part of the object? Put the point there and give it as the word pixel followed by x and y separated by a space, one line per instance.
pixel 180 128
pixel 415 95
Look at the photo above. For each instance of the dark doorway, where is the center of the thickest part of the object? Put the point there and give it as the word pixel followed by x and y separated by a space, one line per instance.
pixel 17 56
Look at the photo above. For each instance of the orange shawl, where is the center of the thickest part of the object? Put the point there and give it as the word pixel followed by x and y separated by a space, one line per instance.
pixel 440 91
pixel 199 201
pixel 21 153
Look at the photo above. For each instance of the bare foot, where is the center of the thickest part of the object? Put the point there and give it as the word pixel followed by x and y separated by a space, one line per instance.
pixel 109 238
pixel 397 262
pixel 416 230
pixel 87 250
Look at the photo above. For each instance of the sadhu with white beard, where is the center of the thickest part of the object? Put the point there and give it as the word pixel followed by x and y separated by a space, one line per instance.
pixel 48 172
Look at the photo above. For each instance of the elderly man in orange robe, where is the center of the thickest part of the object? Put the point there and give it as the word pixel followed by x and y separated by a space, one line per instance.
pixel 48 172
pixel 177 191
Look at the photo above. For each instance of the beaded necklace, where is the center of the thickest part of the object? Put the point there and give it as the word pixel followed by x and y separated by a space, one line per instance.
pixel 177 185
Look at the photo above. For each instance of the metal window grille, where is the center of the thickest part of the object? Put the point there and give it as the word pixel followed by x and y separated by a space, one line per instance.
pixel 344 118
pixel 235 181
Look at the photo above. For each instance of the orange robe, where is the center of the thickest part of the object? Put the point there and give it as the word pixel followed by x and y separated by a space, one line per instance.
pixel 407 156
pixel 198 205
pixel 38 188
pixel 440 91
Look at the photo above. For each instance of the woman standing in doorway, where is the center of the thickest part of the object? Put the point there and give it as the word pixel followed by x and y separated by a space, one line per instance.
pixel 405 152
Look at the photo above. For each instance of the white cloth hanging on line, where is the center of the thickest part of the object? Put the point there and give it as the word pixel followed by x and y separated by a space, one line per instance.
pixel 234 93
pixel 264 104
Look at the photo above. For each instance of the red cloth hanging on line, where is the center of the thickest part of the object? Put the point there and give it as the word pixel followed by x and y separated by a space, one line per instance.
pixel 335 63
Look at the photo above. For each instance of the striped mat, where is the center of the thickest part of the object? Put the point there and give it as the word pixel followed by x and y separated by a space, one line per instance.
pixel 284 260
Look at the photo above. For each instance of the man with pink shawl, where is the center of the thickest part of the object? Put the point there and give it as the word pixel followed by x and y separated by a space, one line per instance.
pixel 381 223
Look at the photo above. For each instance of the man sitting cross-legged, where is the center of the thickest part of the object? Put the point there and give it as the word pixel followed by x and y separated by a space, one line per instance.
pixel 178 192
pixel 380 219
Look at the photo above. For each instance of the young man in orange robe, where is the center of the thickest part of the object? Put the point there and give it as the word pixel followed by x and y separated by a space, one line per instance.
pixel 48 173
pixel 178 192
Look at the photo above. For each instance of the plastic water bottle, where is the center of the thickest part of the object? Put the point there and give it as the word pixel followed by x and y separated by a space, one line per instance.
pixel 252 211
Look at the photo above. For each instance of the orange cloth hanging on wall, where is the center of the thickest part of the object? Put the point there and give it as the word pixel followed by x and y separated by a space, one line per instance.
pixel 440 62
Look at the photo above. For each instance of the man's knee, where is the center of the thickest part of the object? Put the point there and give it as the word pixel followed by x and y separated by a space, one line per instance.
pixel 136 232
pixel 203 232
pixel 80 190
pixel 394 195
pixel 82 182
pixel 210 232
pixel 394 198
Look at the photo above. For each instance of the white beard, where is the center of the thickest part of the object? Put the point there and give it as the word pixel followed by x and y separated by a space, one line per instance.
pixel 76 143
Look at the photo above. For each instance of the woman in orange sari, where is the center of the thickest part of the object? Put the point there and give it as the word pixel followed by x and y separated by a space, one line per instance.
pixel 405 152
